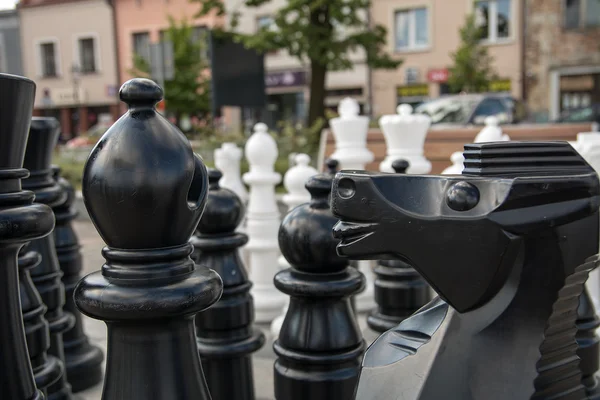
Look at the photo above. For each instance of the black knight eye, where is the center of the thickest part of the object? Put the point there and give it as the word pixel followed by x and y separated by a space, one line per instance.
pixel 462 196
pixel 346 188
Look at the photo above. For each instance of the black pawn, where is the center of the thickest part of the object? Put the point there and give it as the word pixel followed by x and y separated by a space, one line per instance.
pixel 226 336
pixel 83 360
pixel 20 221
pixel 589 345
pixel 145 191
pixel 320 344
pixel 47 369
pixel 43 135
pixel 399 289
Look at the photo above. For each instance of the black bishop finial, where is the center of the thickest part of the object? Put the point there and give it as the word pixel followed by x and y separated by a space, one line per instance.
pixel 400 166
pixel 145 191
pixel 320 324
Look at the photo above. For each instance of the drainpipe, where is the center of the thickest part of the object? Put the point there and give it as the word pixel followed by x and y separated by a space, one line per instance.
pixel 112 4
pixel 523 50
pixel 369 72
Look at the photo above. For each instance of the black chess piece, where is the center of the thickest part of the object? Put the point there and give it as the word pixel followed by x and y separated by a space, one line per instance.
pixel 43 135
pixel 83 361
pixel 507 246
pixel 226 335
pixel 320 344
pixel 399 289
pixel 588 345
pixel 47 369
pixel 145 191
pixel 20 221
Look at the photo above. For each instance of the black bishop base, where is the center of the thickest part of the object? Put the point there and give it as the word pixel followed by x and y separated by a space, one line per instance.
pixel 320 344
pixel 399 288
pixel 145 191
pixel 43 135
pixel 83 361
pixel 226 335
pixel 20 222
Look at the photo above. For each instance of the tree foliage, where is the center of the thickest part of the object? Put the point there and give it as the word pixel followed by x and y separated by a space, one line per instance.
pixel 188 93
pixel 322 34
pixel 472 69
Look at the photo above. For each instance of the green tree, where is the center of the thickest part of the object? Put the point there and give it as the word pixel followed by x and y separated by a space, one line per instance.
pixel 188 93
pixel 320 33
pixel 472 70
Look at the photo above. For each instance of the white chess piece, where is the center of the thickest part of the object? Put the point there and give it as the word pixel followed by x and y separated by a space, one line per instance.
pixel 405 135
pixel 227 160
pixel 262 224
pixel 350 131
pixel 294 182
pixel 490 133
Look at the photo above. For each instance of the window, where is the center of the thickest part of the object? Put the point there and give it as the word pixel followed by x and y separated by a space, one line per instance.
pixel 489 107
pixel 3 60
pixel 582 13
pixel 48 59
pixel 411 29
pixel 141 45
pixel 493 17
pixel 265 22
pixel 200 34
pixel 87 55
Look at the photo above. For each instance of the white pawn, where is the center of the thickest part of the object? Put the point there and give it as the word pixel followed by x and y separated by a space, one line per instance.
pixel 350 131
pixel 262 223
pixel 490 133
pixel 405 135
pixel 227 160
pixel 294 182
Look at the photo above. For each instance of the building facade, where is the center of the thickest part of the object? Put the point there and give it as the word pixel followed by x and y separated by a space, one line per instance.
pixel 10 43
pixel 562 56
pixel 287 79
pixel 424 33
pixel 69 51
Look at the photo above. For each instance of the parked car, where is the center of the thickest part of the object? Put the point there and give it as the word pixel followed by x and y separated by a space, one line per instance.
pixel 589 113
pixel 472 109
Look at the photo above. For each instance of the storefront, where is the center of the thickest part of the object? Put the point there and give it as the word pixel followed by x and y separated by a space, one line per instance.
pixel 573 88
pixel 413 94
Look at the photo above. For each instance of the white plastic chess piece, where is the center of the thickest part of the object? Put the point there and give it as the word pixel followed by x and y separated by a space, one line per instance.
pixel 262 224
pixel 294 182
pixel 405 135
pixel 490 133
pixel 227 160
pixel 350 131
pixel 588 145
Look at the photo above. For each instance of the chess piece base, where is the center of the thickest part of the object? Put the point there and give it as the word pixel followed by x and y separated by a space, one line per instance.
pixel 84 366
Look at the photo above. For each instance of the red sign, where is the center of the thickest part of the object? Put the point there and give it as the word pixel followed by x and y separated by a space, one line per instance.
pixel 438 75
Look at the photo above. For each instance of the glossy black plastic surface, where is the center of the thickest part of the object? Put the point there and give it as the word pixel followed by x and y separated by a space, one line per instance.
pixel 20 221
pixel 83 361
pixel 320 344
pixel 226 335
pixel 145 191
pixel 589 345
pixel 510 267
pixel 399 289
pixel 46 275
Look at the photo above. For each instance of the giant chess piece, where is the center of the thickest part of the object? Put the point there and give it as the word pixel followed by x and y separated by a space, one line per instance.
pixel 20 221
pixel 320 344
pixel 508 245
pixel 83 360
pixel 227 160
pixel 405 135
pixel 226 335
pixel 262 223
pixel 43 135
pixel 294 182
pixel 399 289
pixel 588 345
pixel 47 369
pixel 351 131
pixel 145 191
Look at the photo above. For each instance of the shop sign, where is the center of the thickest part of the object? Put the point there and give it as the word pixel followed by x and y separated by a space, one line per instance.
pixel 577 83
pixel 285 79
pixel 500 85
pixel 62 97
pixel 413 90
pixel 439 75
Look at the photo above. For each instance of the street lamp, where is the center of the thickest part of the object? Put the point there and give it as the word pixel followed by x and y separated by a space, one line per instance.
pixel 76 76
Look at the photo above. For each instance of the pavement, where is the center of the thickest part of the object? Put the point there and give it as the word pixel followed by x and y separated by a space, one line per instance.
pixel 96 330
